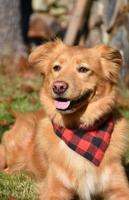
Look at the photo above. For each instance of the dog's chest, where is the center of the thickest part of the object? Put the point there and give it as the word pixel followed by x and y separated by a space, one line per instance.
pixel 86 179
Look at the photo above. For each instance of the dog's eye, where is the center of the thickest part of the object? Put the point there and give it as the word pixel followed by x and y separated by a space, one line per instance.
pixel 56 68
pixel 83 69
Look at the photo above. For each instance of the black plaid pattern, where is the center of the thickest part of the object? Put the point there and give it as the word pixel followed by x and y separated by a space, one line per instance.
pixel 89 142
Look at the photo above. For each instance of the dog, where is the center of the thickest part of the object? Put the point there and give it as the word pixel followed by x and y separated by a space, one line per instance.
pixel 80 142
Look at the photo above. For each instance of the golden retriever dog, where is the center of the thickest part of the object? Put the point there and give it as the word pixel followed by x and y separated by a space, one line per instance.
pixel 79 145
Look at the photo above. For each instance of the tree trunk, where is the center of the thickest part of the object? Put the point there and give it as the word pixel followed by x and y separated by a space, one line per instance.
pixel 11 42
pixel 75 22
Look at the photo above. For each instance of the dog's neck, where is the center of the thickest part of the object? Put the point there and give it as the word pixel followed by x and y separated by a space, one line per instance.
pixel 89 142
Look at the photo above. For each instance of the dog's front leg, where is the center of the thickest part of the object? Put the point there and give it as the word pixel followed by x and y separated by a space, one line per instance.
pixel 117 188
pixel 52 188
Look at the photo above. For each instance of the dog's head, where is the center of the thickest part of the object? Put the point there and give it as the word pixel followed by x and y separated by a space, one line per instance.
pixel 77 79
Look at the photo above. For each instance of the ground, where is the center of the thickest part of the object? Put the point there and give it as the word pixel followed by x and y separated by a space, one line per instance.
pixel 20 92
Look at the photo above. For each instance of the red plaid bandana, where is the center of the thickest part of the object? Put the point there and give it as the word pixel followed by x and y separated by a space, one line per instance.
pixel 89 142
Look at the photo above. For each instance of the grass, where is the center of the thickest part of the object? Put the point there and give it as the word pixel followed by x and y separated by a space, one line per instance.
pixel 20 93
pixel 17 187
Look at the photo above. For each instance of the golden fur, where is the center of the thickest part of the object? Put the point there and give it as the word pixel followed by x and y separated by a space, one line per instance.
pixel 17 143
pixel 61 172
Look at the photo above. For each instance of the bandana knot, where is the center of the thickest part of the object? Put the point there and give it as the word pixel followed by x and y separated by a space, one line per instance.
pixel 89 142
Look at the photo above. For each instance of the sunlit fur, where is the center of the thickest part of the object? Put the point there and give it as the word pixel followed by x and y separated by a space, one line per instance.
pixel 61 172
pixel 18 142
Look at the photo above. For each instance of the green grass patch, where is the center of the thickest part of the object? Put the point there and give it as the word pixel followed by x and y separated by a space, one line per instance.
pixel 19 187
pixel 4 112
pixel 18 86
pixel 24 104
pixel 19 93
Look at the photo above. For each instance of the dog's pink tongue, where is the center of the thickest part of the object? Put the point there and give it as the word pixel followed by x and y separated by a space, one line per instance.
pixel 62 105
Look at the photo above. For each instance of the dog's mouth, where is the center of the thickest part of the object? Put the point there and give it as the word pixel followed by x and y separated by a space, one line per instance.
pixel 65 105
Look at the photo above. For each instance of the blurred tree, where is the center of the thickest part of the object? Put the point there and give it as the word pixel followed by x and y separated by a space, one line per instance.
pixel 11 42
pixel 26 11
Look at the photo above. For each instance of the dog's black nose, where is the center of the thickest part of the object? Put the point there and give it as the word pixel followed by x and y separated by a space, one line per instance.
pixel 59 87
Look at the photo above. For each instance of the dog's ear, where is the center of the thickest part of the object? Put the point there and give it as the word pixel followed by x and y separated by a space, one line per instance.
pixel 42 55
pixel 111 61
